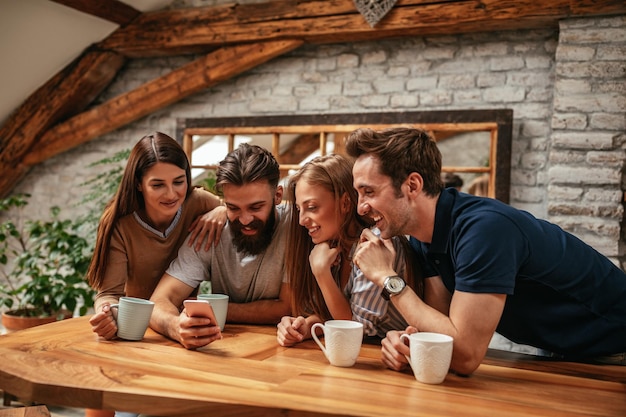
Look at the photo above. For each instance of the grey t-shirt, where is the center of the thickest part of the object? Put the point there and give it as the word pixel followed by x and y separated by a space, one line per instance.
pixel 245 278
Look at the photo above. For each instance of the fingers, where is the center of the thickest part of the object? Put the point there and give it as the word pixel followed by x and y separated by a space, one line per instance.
pixel 192 237
pixel 103 325
pixel 391 351
pixel 289 330
pixel 367 235
pixel 213 235
pixel 195 335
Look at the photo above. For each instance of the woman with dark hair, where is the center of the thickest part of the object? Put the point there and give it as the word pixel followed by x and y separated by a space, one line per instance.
pixel 147 220
pixel 323 232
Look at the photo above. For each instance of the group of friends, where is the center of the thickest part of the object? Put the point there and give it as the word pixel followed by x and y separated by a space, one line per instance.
pixel 374 236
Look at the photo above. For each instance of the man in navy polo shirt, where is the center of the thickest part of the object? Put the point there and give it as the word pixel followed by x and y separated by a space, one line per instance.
pixel 487 266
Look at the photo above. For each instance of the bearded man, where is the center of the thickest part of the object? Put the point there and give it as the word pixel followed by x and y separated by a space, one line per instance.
pixel 248 262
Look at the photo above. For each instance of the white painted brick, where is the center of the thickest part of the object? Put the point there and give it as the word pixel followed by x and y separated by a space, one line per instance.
pixel 588 36
pixel 313 102
pixel 491 79
pixel 425 83
pixel 608 121
pixel 348 61
pixel 388 86
pixel 607 103
pixel 569 121
pixel 436 97
pixel 533 160
pixel 581 175
pixel 373 58
pixel 582 140
pixel 504 94
pixel 603 195
pixel 575 53
pixel 375 100
pixel 466 97
pixel 612 158
pixel 572 86
pixel 457 81
pixel 404 101
pixel 565 193
pixel 614 52
pixel 506 63
pixel 538 62
pixel 357 89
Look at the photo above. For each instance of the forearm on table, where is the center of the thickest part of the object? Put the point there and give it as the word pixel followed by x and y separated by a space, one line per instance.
pixel 258 312
pixel 164 319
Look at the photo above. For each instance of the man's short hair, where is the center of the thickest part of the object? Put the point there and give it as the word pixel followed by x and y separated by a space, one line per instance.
pixel 247 164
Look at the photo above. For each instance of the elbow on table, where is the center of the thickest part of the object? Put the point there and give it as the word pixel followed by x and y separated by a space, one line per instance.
pixel 465 364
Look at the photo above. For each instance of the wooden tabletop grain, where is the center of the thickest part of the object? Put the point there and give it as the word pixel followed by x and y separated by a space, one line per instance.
pixel 249 374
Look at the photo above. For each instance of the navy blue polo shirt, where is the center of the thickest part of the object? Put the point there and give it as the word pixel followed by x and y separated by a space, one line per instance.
pixel 562 295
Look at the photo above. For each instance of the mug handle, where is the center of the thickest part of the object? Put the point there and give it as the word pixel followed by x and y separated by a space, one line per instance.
pixel 403 337
pixel 314 335
pixel 116 307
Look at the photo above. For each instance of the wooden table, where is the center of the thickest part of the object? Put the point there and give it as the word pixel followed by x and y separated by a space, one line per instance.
pixel 249 374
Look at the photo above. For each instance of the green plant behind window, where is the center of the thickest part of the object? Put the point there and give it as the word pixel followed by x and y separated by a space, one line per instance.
pixel 44 263
pixel 47 262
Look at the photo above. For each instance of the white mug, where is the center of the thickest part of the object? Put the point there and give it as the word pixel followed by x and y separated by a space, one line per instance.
pixel 343 340
pixel 219 302
pixel 430 357
pixel 133 317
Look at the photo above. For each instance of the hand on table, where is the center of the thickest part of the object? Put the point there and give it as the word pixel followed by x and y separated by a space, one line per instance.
pixel 292 330
pixel 103 323
pixel 394 349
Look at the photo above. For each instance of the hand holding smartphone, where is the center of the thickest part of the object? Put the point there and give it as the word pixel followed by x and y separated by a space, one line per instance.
pixel 200 308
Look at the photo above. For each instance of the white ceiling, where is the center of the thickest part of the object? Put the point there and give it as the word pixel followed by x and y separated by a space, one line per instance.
pixel 38 38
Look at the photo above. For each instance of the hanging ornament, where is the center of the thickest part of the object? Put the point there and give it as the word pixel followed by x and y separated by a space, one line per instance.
pixel 374 10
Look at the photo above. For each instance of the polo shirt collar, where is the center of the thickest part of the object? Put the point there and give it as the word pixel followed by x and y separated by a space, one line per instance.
pixel 443 220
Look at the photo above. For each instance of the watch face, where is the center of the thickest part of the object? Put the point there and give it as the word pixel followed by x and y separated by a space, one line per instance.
pixel 395 284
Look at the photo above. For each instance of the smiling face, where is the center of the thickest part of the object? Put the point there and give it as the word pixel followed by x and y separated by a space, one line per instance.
pixel 317 210
pixel 250 209
pixel 164 188
pixel 379 200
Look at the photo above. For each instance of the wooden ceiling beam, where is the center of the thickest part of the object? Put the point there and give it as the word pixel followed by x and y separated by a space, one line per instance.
pixel 301 147
pixel 198 75
pixel 112 10
pixel 64 95
pixel 316 21
pixel 40 125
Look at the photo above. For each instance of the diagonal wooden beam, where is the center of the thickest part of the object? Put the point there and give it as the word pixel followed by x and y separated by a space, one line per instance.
pixel 63 96
pixel 203 73
pixel 112 10
pixel 316 21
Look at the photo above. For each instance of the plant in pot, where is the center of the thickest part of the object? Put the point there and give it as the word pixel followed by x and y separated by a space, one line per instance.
pixel 43 266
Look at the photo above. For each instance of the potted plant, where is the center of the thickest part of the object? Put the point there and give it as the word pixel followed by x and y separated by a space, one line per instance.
pixel 43 265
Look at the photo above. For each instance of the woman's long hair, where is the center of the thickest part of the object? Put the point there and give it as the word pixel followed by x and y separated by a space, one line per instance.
pixel 334 174
pixel 153 148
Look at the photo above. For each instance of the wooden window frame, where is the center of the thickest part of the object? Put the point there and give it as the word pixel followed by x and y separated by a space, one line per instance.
pixel 499 123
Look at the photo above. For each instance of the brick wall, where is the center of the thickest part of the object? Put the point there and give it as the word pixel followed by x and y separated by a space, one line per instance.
pixel 567 89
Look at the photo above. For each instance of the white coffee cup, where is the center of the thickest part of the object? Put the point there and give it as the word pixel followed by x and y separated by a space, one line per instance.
pixel 219 302
pixel 430 356
pixel 343 340
pixel 133 317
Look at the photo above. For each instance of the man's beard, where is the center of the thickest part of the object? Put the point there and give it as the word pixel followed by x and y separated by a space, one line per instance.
pixel 253 245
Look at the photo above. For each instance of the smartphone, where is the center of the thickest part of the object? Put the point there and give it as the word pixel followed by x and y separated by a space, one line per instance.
pixel 200 308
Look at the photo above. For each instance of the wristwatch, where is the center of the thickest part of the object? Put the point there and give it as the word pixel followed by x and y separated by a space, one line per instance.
pixel 393 285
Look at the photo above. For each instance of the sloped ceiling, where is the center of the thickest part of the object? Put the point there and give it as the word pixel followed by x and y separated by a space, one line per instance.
pixel 52 71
